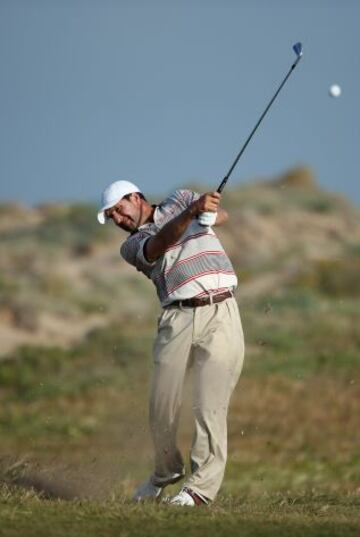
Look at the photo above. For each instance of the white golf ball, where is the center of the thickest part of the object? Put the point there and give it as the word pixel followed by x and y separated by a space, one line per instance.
pixel 335 90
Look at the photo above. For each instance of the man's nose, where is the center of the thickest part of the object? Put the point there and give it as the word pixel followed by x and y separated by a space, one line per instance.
pixel 117 217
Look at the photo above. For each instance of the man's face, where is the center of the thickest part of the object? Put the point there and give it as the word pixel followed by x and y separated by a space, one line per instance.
pixel 126 213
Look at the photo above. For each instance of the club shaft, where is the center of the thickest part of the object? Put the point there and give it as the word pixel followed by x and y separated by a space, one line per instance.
pixel 224 181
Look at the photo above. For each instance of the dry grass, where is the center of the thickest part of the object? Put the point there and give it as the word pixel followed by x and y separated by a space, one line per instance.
pixel 296 434
pixel 293 464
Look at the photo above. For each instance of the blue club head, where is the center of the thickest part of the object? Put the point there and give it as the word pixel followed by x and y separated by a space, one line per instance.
pixel 297 48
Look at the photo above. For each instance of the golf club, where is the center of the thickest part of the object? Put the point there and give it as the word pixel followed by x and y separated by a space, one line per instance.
pixel 297 48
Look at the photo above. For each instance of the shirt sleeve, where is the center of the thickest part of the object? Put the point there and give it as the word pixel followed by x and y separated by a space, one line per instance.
pixel 132 250
pixel 185 197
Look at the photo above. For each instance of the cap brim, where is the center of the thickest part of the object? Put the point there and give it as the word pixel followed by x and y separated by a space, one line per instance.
pixel 101 214
pixel 101 217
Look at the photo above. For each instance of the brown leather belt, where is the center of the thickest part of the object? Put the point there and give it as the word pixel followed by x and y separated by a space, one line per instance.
pixel 205 301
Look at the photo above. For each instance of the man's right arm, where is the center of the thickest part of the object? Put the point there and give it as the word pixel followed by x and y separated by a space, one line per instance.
pixel 157 245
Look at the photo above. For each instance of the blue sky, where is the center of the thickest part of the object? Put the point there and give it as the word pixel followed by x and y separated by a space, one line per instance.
pixel 165 93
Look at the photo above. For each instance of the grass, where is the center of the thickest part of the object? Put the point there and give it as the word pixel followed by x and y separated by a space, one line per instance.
pixel 332 277
pixel 75 438
pixel 310 514
pixel 282 341
pixel 301 334
pixel 293 467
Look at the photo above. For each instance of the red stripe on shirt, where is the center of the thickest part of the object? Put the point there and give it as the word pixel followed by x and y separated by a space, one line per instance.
pixel 188 239
pixel 192 257
pixel 198 276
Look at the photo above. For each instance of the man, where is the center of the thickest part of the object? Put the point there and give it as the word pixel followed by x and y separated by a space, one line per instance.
pixel 175 246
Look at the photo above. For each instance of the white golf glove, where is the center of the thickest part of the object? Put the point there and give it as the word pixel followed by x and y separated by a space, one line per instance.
pixel 207 219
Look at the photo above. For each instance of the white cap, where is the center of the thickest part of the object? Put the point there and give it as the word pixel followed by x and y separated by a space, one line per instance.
pixel 113 194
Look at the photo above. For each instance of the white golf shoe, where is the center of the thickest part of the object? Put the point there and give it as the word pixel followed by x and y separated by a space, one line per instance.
pixel 187 498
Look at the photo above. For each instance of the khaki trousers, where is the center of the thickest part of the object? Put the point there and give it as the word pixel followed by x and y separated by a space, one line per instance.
pixel 210 340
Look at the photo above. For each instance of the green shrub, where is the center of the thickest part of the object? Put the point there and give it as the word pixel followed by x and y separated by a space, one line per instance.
pixel 75 226
pixel 34 424
pixel 123 348
pixel 30 367
pixel 106 355
pixel 333 277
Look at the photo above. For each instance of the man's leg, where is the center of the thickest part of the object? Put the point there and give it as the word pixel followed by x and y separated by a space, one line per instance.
pixel 218 358
pixel 171 355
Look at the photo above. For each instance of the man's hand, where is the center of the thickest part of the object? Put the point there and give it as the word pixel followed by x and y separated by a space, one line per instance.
pixel 208 202
pixel 207 205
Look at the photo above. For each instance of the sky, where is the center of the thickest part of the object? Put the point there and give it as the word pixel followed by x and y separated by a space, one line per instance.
pixel 165 93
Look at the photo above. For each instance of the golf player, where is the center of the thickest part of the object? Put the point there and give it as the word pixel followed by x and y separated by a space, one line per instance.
pixel 175 246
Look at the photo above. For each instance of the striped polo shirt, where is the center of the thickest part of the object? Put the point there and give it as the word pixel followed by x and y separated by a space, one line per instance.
pixel 195 266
